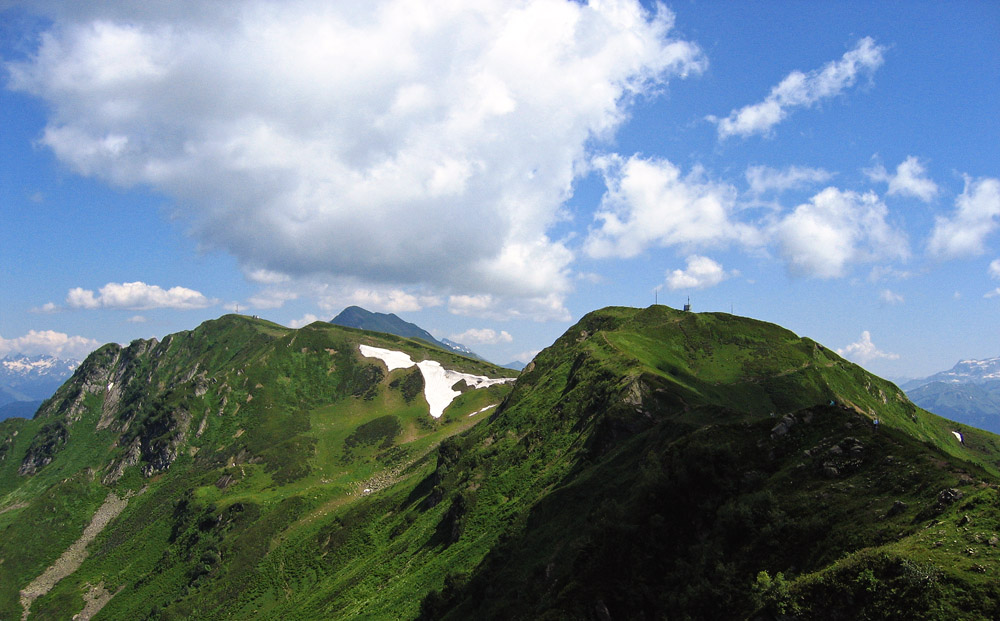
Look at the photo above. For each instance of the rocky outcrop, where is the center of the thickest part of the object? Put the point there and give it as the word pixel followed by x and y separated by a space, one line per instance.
pixel 118 466
pixel 49 440
pixel 153 445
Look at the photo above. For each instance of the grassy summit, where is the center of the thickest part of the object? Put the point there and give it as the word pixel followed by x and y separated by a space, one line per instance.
pixel 650 463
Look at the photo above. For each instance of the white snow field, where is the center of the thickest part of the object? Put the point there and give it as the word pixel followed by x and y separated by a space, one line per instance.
pixel 438 381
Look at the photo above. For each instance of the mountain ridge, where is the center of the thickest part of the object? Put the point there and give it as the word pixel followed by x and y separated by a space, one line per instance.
pixel 648 462
pixel 969 392
pixel 964 372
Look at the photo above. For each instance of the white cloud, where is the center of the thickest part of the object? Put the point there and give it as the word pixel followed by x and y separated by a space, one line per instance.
pixel 550 307
pixel 802 90
pixel 701 273
pixel 648 203
pixel 763 179
pixel 864 351
pixel 484 336
pixel 267 277
pixel 48 307
pixel 306 319
pixel 387 300
pixel 272 298
pixel 470 304
pixel 401 143
pixel 910 179
pixel 136 319
pixel 977 215
pixel 994 271
pixel 889 296
pixel 834 229
pixel 49 342
pixel 880 273
pixel 137 296
pixel 526 356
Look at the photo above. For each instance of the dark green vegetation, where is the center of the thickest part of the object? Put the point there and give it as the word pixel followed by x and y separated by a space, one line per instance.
pixel 649 464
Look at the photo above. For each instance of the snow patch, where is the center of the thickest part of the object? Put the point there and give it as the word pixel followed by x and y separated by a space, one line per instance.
pixel 392 359
pixel 438 381
pixel 488 407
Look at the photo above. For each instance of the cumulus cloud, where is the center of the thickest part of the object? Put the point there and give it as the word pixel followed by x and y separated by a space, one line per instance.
pixel 994 271
pixel 49 342
pixel 701 273
pixel 334 298
pixel 836 228
pixel 272 298
pixel 763 179
pixel 910 179
pixel 48 307
pixel 880 273
pixel 487 306
pixel 889 296
pixel 137 296
pixel 267 277
pixel 399 143
pixel 802 90
pixel 527 356
pixel 306 319
pixel 976 216
pixel 864 351
pixel 649 203
pixel 484 336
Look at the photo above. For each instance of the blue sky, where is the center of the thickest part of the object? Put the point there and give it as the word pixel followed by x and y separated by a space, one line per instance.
pixel 494 170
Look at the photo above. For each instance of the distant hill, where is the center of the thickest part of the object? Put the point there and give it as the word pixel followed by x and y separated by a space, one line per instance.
pixel 969 393
pixel 32 378
pixel 389 323
pixel 19 409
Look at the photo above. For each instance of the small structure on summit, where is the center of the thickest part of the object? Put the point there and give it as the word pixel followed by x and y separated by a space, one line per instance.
pixel 687 307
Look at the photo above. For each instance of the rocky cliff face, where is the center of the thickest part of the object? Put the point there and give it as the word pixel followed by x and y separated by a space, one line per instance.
pixel 132 407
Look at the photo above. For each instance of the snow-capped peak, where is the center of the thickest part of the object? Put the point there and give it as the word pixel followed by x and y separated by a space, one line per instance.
pixel 20 365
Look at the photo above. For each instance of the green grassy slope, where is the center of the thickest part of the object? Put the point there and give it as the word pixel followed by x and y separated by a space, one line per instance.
pixel 685 454
pixel 649 464
pixel 228 441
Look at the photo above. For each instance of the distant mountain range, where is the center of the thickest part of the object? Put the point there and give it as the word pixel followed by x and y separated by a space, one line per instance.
pixel 26 381
pixel 389 323
pixel 969 393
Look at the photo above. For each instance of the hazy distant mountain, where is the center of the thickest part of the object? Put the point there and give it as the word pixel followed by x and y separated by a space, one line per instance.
pixel 517 365
pixel 32 378
pixel 965 372
pixel 968 393
pixel 459 348
pixel 357 317
pixel 19 409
